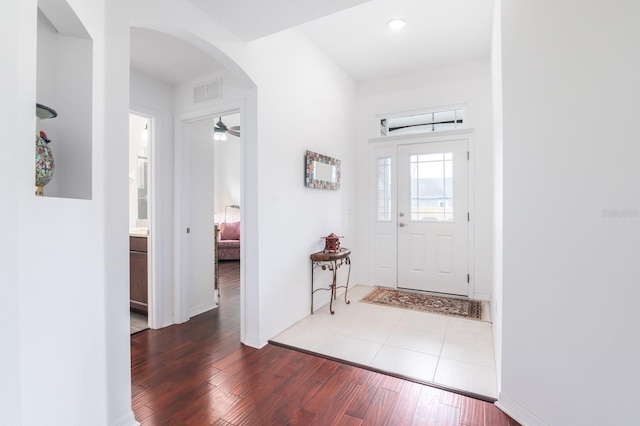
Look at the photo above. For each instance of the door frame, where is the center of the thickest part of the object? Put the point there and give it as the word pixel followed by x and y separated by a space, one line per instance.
pixel 392 142
pixel 182 195
pixel 154 310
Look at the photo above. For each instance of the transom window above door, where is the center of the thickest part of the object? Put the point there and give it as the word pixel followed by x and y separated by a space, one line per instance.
pixel 422 122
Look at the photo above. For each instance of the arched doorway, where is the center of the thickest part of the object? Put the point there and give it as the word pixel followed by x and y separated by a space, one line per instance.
pixel 171 284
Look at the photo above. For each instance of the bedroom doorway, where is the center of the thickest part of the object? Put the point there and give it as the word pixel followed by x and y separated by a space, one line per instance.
pixel 227 193
pixel 211 197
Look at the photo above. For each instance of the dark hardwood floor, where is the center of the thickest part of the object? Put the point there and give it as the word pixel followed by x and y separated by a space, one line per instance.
pixel 198 373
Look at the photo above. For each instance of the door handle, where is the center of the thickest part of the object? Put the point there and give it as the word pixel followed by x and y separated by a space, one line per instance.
pixel 402 224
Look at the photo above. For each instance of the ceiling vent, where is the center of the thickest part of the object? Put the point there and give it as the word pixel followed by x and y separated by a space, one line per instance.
pixel 208 91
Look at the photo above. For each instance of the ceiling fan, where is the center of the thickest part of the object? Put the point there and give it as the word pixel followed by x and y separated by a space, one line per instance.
pixel 220 130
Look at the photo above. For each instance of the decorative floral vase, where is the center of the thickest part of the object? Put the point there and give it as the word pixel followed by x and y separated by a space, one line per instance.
pixel 45 165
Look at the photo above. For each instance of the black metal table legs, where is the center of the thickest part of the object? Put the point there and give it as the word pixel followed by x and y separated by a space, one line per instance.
pixel 331 264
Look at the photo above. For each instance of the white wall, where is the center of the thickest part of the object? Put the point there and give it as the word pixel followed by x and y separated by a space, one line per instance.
pixel 68 371
pixel 16 179
pixel 496 86
pixel 468 83
pixel 304 102
pixel 233 89
pixel 570 286
pixel 153 97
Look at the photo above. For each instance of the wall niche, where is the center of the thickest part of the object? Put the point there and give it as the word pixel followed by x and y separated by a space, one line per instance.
pixel 65 84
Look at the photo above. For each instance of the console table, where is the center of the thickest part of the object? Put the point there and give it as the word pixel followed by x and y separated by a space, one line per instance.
pixel 331 261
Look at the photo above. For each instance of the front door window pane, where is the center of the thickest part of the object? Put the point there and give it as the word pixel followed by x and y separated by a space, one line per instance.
pixel 432 187
pixel 383 174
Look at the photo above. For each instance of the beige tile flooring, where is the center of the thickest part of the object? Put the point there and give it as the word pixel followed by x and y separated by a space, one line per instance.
pixel 452 352
pixel 137 322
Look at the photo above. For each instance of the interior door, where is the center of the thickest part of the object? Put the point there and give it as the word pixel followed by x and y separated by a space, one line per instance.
pixel 433 216
pixel 201 216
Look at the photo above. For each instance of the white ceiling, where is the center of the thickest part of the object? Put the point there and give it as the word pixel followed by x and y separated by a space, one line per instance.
pixel 253 19
pixel 439 32
pixel 168 58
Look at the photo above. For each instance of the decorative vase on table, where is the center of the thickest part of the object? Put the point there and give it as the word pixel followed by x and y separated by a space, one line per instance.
pixel 45 166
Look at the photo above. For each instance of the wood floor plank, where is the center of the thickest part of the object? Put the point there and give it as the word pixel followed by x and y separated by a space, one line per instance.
pixel 315 381
pixel 451 399
pixel 448 415
pixel 292 384
pixel 347 420
pixel 471 412
pixel 327 391
pixel 209 409
pixel 265 379
pixel 335 407
pixel 404 410
pixel 305 389
pixel 362 401
pixel 144 413
pixel 381 407
pixel 252 410
pixel 393 383
pixel 427 407
pixel 493 416
pixel 302 417
pixel 198 373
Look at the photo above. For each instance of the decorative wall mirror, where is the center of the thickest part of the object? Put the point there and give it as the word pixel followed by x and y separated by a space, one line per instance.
pixel 321 171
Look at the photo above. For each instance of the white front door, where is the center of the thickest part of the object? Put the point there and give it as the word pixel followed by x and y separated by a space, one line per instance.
pixel 432 216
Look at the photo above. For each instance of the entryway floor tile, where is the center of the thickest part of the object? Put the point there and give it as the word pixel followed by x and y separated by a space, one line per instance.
pixel 448 351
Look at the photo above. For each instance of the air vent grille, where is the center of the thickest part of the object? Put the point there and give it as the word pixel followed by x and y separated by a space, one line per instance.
pixel 207 91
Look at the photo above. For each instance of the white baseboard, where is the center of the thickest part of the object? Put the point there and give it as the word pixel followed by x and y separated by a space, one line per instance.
pixel 518 412
pixel 254 342
pixel 166 321
pixel 199 309
pixel 127 420
pixel 481 296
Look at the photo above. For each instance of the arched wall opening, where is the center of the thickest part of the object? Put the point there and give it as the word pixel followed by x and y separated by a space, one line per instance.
pixel 172 192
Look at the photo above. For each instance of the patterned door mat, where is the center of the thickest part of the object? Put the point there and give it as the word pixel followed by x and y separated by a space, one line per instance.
pixel 462 308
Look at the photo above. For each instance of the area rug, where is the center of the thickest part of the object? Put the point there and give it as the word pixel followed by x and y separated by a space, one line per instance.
pixel 462 308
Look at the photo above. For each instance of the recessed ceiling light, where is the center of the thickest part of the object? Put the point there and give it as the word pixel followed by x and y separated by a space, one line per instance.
pixel 396 24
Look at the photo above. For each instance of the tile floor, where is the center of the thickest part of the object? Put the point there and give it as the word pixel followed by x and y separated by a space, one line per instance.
pixel 138 322
pixel 452 352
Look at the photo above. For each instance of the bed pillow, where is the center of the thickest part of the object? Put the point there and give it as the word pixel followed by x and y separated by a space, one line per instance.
pixel 230 231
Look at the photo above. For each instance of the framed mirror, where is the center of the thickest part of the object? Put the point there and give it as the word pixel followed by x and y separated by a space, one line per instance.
pixel 321 171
